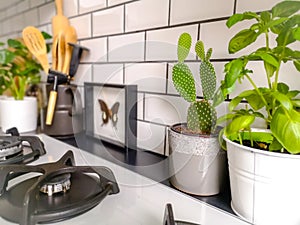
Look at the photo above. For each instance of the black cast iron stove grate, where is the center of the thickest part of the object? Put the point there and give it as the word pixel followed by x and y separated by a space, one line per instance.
pixel 73 190
pixel 20 149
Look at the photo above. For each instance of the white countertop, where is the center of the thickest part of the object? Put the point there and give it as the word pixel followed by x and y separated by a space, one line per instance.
pixel 141 201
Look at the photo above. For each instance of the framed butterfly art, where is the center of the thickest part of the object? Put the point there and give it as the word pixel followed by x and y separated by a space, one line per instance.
pixel 111 113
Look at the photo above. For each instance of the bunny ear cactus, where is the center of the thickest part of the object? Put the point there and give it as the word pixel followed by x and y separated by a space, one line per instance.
pixel 202 115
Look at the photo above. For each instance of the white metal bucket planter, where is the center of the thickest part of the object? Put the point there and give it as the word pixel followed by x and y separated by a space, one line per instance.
pixel 265 186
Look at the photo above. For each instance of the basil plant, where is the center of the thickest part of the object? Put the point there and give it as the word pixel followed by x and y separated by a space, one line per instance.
pixel 276 99
pixel 18 67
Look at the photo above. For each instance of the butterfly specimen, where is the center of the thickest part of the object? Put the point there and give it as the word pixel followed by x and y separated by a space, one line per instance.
pixel 109 113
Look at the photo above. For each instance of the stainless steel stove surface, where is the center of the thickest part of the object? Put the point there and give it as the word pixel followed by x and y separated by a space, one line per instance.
pixel 140 200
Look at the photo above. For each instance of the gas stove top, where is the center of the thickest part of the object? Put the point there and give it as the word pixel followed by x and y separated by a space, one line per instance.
pixel 16 149
pixel 135 199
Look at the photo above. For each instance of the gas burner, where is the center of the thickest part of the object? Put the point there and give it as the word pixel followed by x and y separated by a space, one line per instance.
pixel 169 217
pixel 10 148
pixel 59 184
pixel 20 149
pixel 26 203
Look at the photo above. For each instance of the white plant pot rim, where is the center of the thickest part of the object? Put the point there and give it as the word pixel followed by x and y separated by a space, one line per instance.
pixel 273 154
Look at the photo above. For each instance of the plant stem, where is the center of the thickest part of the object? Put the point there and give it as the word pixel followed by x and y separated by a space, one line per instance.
pixel 258 92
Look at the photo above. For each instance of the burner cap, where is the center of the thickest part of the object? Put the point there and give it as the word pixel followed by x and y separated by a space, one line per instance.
pixel 58 184
pixel 10 147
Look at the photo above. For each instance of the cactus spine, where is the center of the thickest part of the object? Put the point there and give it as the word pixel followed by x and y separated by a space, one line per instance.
pixel 201 116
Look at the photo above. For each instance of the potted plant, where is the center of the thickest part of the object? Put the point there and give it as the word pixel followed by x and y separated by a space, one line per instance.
pixel 196 160
pixel 18 70
pixel 264 164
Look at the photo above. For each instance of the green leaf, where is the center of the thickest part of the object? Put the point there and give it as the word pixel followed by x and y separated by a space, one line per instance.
pixel 297 64
pixel 284 100
pixel 184 46
pixel 296 33
pixel 239 123
pixel 14 43
pixel 46 35
pixel 6 56
pixel 233 71
pixel 265 16
pixel 285 126
pixel 275 145
pixel 265 137
pixel 270 59
pixel 218 97
pixel 184 82
pixel 296 103
pixel 283 88
pixel 240 17
pixel 228 116
pixel 242 40
pixel 285 8
pixel 234 103
pixel 292 94
pixel 270 70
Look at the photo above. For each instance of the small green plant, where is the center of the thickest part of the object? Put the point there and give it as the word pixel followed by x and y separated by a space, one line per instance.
pixel 202 115
pixel 277 100
pixel 18 68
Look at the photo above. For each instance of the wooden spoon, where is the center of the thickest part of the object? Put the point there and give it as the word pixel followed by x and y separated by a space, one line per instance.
pixel 70 37
pixel 36 44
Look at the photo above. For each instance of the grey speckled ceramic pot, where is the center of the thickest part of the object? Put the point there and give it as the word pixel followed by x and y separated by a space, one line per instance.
pixel 197 163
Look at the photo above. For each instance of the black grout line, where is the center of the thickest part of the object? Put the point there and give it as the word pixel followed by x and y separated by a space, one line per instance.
pixel 124 18
pixel 155 123
pixel 165 141
pixel 124 78
pixel 167 78
pixel 234 6
pixel 155 61
pixel 144 106
pixel 169 13
pixel 145 46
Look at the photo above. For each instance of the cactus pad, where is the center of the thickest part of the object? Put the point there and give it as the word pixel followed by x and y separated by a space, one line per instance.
pixel 184 82
pixel 184 46
pixel 208 79
pixel 201 117
pixel 199 49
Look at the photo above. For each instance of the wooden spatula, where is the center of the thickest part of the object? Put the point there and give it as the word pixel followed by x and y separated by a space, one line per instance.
pixel 70 37
pixel 59 21
pixel 36 44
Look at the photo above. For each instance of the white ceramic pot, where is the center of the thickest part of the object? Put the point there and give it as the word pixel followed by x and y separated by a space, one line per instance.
pixel 197 164
pixel 21 114
pixel 264 185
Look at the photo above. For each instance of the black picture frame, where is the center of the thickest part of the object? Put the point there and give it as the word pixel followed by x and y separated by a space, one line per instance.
pixel 120 98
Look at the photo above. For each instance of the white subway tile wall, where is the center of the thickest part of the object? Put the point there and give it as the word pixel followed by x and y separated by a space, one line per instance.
pixel 127 48
pixel 86 6
pixel 108 73
pixel 108 21
pixel 134 42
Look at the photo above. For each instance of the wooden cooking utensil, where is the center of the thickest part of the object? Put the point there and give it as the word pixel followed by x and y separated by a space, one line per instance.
pixel 59 25
pixel 70 37
pixel 52 103
pixel 59 22
pixel 36 44
pixel 60 50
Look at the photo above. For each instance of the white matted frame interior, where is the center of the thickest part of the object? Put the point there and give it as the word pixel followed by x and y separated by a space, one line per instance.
pixel 111 113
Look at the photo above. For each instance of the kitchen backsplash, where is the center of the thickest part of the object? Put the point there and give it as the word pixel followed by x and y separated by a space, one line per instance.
pixel 134 42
